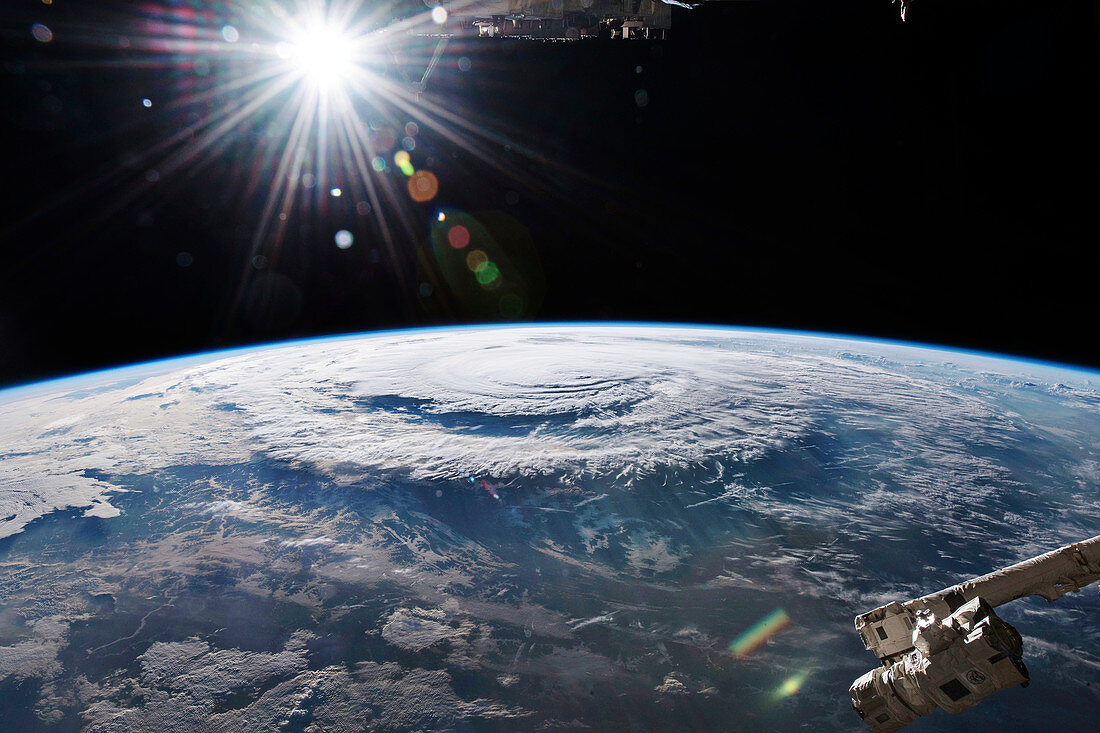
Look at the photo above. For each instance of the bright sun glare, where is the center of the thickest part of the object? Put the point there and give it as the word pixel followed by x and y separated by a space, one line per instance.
pixel 339 88
pixel 322 53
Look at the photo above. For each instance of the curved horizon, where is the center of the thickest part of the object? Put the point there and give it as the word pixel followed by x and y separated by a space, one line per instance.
pixel 799 333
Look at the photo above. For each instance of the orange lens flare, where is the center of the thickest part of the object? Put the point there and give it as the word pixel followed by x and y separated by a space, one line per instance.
pixel 423 186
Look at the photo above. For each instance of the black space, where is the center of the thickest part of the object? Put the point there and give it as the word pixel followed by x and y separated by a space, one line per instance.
pixel 811 165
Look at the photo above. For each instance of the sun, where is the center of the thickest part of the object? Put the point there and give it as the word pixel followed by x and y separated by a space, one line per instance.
pixel 311 101
pixel 322 53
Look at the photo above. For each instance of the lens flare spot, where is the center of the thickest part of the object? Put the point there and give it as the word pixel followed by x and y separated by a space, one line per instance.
pixel 488 273
pixel 146 102
pixel 379 163
pixel 336 193
pixel 41 33
pixel 439 15
pixel 476 259
pixel 423 186
pixel 488 487
pixel 790 686
pixel 412 129
pixel 402 160
pixel 441 216
pixel 511 305
pixel 384 139
pixel 458 236
pixel 344 239
pixel 230 34
pixel 759 633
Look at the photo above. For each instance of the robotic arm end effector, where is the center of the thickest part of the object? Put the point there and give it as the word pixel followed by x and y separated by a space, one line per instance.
pixel 954 664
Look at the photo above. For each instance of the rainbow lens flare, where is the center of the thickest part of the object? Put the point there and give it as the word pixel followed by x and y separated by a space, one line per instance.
pixel 759 633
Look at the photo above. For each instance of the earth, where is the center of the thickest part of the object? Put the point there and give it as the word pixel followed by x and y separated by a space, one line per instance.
pixel 535 528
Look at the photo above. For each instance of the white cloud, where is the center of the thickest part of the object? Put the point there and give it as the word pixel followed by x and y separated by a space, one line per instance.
pixel 615 403
pixel 36 656
pixel 308 542
pixel 646 551
pixel 417 629
pixel 181 684
pixel 228 508
pixel 102 509
pixel 606 618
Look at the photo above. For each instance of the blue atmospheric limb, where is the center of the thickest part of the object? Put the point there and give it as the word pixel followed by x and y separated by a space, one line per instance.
pixel 1008 361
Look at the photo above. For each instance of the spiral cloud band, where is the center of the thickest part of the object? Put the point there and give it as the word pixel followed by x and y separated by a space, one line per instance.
pixel 612 402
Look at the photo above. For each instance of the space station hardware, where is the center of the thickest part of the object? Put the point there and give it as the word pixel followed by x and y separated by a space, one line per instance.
pixel 950 649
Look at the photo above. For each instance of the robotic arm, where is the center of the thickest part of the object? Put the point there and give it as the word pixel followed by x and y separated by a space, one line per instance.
pixel 950 649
